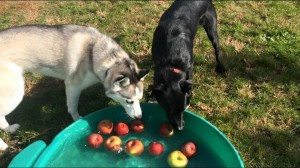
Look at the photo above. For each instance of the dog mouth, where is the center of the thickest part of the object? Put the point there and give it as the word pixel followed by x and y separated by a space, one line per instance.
pixel 180 125
pixel 176 121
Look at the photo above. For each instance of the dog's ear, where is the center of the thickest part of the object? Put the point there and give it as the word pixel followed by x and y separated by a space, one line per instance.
pixel 124 82
pixel 142 73
pixel 121 82
pixel 186 85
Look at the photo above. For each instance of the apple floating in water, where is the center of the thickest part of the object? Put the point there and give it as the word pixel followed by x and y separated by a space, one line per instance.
pixel 189 149
pixel 177 159
pixel 105 126
pixel 121 129
pixel 94 140
pixel 137 125
pixel 113 143
pixel 166 130
pixel 155 148
pixel 134 147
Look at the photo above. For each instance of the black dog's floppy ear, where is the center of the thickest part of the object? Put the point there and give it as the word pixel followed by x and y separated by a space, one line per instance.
pixel 142 73
pixel 186 85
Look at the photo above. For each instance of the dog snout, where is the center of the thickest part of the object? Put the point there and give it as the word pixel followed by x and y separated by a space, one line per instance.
pixel 133 111
pixel 139 116
pixel 179 121
pixel 137 111
pixel 134 115
pixel 180 125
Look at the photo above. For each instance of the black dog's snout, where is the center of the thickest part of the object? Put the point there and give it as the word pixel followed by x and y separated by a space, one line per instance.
pixel 178 125
pixel 181 125
pixel 176 120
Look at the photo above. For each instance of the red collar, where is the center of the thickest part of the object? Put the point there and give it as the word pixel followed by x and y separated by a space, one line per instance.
pixel 175 70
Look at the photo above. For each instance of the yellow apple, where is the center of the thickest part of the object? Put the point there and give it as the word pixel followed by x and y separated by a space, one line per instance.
pixel 177 159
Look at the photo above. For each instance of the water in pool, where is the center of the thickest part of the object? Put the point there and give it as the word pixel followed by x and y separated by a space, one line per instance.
pixel 76 153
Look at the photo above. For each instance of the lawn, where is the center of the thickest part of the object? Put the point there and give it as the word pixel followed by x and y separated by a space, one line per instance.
pixel 256 105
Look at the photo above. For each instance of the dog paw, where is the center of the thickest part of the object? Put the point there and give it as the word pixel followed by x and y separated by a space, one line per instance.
pixel 3 145
pixel 220 69
pixel 12 128
pixel 76 117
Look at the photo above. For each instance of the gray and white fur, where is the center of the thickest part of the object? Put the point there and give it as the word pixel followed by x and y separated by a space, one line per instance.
pixel 79 55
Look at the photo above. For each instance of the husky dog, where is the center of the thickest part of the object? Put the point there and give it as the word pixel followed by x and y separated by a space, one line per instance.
pixel 79 55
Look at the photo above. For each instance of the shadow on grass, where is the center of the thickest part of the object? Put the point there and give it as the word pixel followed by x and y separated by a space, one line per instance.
pixel 262 144
pixel 266 147
pixel 269 66
pixel 42 114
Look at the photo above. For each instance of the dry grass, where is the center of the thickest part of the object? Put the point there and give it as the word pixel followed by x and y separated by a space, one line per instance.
pixel 238 45
pixel 29 9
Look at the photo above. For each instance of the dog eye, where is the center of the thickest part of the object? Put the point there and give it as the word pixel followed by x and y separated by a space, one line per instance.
pixel 129 101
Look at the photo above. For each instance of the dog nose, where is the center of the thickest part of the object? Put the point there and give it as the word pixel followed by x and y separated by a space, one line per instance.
pixel 139 116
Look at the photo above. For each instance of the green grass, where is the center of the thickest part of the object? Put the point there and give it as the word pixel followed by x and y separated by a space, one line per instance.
pixel 256 105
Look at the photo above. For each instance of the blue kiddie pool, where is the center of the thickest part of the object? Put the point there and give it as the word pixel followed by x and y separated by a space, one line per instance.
pixel 69 148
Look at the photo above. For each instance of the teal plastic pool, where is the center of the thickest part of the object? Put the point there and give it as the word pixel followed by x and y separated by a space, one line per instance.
pixel 69 148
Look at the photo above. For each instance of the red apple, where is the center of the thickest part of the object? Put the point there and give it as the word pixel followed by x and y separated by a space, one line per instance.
pixel 166 130
pixel 137 125
pixel 189 149
pixel 177 159
pixel 105 126
pixel 113 143
pixel 155 148
pixel 121 129
pixel 94 140
pixel 134 147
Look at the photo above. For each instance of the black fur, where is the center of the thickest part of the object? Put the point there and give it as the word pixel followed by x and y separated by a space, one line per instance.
pixel 172 47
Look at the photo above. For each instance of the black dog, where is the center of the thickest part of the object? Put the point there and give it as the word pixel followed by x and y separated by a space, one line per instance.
pixel 172 53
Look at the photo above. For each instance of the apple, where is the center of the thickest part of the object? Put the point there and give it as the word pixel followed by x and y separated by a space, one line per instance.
pixel 134 147
pixel 94 140
pixel 189 149
pixel 105 126
pixel 121 129
pixel 113 143
pixel 137 125
pixel 155 148
pixel 166 130
pixel 177 159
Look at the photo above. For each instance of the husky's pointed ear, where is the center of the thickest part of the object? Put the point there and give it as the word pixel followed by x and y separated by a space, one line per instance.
pixel 142 73
pixel 123 82
pixel 186 86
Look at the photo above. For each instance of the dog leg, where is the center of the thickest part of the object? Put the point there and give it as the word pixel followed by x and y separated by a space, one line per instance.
pixel 73 94
pixel 74 86
pixel 11 93
pixel 3 145
pixel 210 26
pixel 6 127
